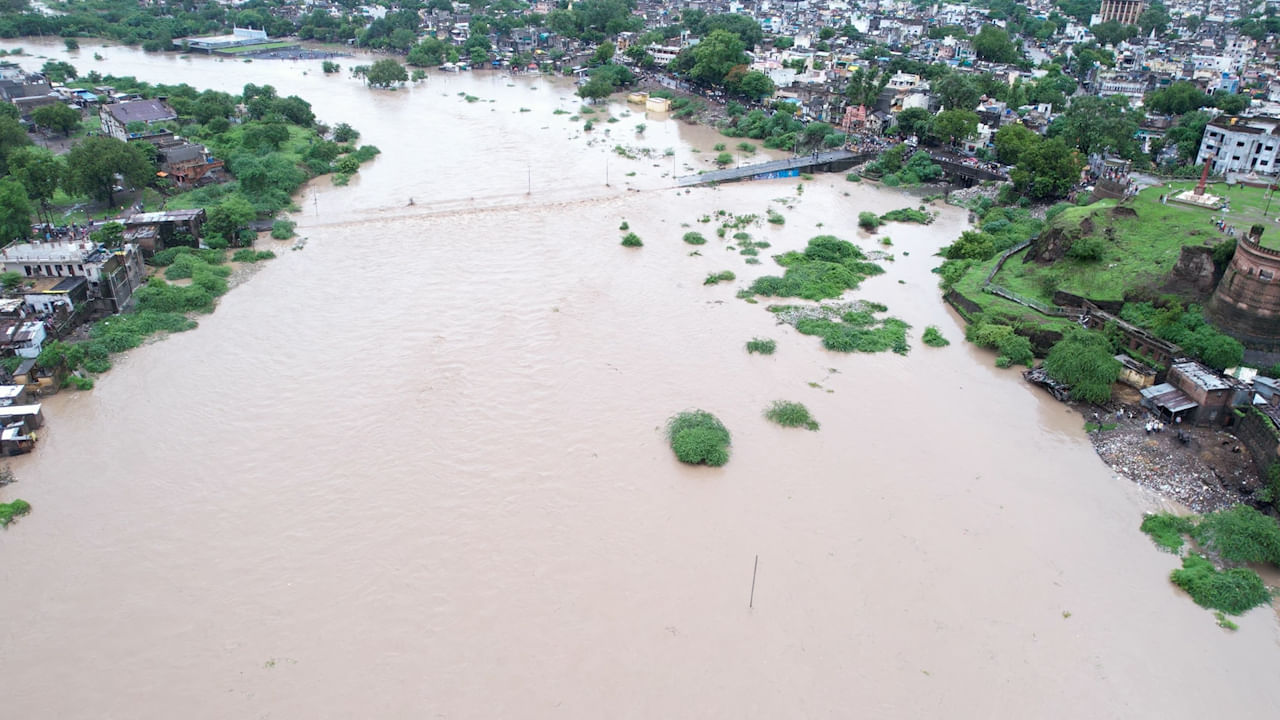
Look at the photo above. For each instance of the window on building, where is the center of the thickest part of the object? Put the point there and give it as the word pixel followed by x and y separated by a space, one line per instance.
pixel 28 269
pixel 1265 275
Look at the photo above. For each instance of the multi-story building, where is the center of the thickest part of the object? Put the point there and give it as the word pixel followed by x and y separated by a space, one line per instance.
pixel 1241 145
pixel 113 273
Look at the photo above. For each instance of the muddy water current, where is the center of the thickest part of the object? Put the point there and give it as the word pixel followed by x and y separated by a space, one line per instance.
pixel 416 468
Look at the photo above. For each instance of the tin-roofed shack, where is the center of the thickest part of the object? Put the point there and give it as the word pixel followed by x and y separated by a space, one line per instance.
pixel 154 231
pixel 1169 403
pixel 1210 391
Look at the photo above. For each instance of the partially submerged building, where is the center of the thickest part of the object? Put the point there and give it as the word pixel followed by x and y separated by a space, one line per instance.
pixel 239 37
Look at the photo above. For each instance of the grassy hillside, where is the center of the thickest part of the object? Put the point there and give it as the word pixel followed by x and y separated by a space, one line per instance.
pixel 1136 250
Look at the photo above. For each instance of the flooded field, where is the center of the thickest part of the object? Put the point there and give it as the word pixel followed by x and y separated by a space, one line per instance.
pixel 416 469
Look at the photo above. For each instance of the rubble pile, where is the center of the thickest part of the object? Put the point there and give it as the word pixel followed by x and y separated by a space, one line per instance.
pixel 1205 474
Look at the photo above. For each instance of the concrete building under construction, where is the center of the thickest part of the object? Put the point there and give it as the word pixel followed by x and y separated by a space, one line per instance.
pixel 1125 12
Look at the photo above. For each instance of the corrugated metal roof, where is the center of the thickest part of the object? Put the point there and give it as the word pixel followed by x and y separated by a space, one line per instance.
pixel 1201 375
pixel 1168 397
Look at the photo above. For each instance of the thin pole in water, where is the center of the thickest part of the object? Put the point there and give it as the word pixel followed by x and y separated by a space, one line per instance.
pixel 752 602
pixel 530 170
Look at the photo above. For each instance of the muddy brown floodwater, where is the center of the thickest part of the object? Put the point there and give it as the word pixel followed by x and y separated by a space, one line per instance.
pixel 415 469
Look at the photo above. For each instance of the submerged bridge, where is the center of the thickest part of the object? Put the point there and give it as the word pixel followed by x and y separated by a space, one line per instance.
pixel 954 166
pixel 822 162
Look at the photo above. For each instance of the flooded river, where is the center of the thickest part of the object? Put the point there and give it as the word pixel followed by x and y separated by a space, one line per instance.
pixel 416 469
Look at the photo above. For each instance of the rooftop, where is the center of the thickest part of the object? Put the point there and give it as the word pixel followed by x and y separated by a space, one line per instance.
pixel 144 111
pixel 1200 375
pixel 164 216
pixel 48 251
pixel 1168 397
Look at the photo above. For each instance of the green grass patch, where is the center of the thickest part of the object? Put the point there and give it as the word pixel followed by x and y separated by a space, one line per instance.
pixel 723 276
pixel 698 438
pixel 632 240
pixel 827 267
pixel 1233 591
pixel 257 48
pixel 762 346
pixel 775 217
pixel 933 337
pixel 1167 530
pixel 1092 426
pixel 791 414
pixel 1124 252
pixel 11 510
pixel 853 333
pixel 695 238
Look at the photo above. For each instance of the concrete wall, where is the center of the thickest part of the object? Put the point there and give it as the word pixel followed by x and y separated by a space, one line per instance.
pixel 1260 437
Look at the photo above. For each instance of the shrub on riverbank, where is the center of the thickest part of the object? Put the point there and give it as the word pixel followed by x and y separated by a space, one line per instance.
pixel 249 255
pixel 869 221
pixel 763 346
pixel 282 229
pixel 1084 360
pixel 1233 591
pixel 695 238
pixel 791 415
pixel 1240 534
pixel 632 240
pixel 1012 348
pixel 11 510
pixel 1167 529
pixel 723 276
pixel 698 438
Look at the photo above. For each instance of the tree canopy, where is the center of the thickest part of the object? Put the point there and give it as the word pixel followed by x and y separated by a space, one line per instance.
pixel 15 210
pixel 1084 360
pixel 1180 97
pixel 56 117
pixel 710 60
pixel 1046 169
pixel 92 166
pixel 994 45
pixel 1093 125
pixel 386 73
